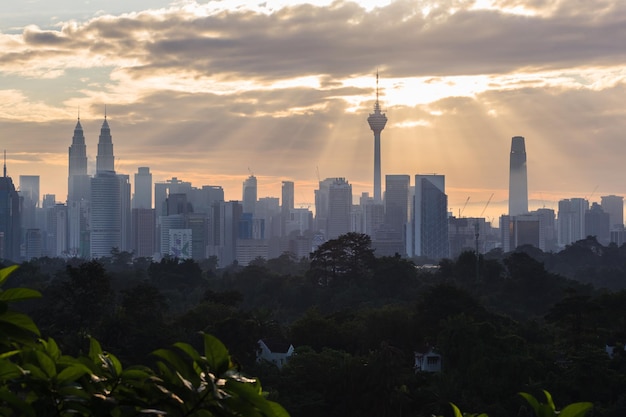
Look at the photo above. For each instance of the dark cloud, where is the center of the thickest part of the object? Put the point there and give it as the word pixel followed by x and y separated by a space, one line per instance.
pixel 346 39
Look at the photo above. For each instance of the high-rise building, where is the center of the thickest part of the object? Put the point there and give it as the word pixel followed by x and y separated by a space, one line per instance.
pixel 10 219
pixel 142 198
pixel 29 191
pixel 249 194
pixel 78 180
pixel 339 208
pixel 105 161
pixel 143 232
pixel 105 214
pixel 125 217
pixel 571 220
pixel 287 204
pixel 78 193
pixel 614 205
pixel 598 224
pixel 518 181
pixel 397 201
pixel 429 220
pixel 225 227
pixel 56 229
pixel 377 122
pixel 321 204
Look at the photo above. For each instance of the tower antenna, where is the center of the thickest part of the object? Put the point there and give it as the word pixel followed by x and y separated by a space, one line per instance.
pixel 376 85
pixel 5 163
pixel 377 122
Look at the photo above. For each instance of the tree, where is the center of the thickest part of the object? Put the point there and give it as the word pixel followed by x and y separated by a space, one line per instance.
pixel 36 379
pixel 345 259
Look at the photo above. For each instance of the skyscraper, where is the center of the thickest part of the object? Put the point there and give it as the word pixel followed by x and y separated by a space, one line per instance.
pixel 377 122
pixel 29 191
pixel 78 181
pixel 287 205
pixel 78 195
pixel 518 181
pixel 105 214
pixel 396 201
pixel 614 205
pixel 105 161
pixel 142 198
pixel 339 208
pixel 249 194
pixel 429 219
pixel 9 219
pixel 571 220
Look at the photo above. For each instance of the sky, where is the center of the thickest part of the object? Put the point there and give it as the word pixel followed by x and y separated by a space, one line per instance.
pixel 213 91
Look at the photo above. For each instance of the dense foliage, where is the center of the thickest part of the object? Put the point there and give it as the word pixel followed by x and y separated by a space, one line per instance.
pixel 38 380
pixel 527 321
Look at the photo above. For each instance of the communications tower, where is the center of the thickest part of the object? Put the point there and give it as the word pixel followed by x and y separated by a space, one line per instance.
pixel 377 122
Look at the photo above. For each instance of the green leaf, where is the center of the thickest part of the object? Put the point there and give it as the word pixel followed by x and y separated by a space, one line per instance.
pixel 95 350
pixel 47 364
pixel 5 272
pixel 19 320
pixel 9 370
pixel 52 348
pixel 189 350
pixel 18 294
pixel 532 401
pixel 174 360
pixel 35 371
pixel 576 410
pixel 550 402
pixel 111 363
pixel 72 373
pixel 456 411
pixel 136 374
pixel 279 411
pixel 216 354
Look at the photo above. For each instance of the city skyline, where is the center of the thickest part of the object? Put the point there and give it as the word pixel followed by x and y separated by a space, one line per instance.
pixel 207 100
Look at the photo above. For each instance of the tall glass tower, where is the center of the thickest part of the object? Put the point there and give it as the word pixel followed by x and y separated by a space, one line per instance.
pixel 105 160
pixel 518 181
pixel 377 122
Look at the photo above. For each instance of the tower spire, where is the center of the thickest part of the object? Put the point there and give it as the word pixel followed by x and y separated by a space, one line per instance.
pixel 5 163
pixel 376 85
pixel 377 122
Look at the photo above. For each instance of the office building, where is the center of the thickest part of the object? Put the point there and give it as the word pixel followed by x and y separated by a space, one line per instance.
pixel 249 194
pixel 143 232
pixel 339 208
pixel 105 218
pixel 397 202
pixel 29 191
pixel 429 220
pixel 142 198
pixel 518 181
pixel 571 220
pixel 10 219
pixel 614 206
pixel 598 224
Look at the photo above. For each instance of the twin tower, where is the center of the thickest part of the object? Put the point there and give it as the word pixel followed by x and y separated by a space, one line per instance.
pixel 98 207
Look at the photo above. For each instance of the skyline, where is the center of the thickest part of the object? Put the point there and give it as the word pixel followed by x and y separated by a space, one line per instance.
pixel 209 92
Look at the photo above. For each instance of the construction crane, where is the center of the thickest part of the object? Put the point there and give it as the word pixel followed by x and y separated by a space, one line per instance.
pixel 592 193
pixel 463 209
pixel 485 208
pixel 477 235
